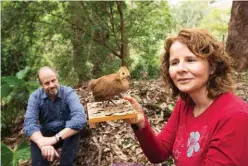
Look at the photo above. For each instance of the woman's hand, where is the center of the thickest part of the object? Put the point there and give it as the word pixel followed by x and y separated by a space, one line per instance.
pixel 140 120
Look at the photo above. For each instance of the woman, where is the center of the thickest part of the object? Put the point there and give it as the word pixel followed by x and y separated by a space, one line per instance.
pixel 209 124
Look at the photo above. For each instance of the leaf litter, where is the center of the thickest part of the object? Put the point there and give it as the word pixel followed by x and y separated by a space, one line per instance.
pixel 113 142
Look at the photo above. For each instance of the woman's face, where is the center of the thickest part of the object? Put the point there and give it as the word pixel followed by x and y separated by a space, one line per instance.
pixel 188 72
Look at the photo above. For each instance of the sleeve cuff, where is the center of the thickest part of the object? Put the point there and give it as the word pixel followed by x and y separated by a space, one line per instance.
pixel 30 133
pixel 135 127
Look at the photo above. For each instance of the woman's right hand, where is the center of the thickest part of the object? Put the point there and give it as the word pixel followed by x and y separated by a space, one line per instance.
pixel 140 120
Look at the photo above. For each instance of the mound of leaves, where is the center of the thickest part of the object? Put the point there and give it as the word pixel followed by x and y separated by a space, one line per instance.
pixel 113 142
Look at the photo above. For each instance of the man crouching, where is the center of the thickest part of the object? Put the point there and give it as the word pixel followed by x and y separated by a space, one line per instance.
pixel 53 119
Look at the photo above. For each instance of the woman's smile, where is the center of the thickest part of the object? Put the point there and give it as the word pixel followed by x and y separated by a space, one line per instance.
pixel 184 80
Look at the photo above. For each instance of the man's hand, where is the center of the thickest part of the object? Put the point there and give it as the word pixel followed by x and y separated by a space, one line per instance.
pixel 46 141
pixel 140 120
pixel 49 153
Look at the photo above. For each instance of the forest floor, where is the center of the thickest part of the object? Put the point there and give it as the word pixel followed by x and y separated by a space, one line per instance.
pixel 113 142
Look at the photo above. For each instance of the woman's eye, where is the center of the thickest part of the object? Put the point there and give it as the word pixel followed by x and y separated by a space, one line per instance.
pixel 191 60
pixel 173 63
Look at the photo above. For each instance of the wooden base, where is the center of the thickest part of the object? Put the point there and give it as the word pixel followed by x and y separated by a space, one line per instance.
pixel 101 112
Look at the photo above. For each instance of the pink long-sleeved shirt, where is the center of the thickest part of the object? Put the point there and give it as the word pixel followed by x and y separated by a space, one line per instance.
pixel 217 137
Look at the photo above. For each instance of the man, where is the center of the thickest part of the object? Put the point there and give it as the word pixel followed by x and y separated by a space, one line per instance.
pixel 53 118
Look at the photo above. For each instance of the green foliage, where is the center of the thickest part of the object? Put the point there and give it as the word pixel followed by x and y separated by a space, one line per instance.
pixel 171 107
pixel 22 73
pixel 145 68
pixel 217 23
pixel 138 69
pixel 10 157
pixel 72 36
pixel 18 35
pixel 149 26
pixel 198 14
pixel 188 14
pixel 108 69
pixel 78 38
pixel 7 155
pixel 15 91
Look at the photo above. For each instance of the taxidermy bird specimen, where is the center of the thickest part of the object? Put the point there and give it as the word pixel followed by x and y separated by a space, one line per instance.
pixel 106 87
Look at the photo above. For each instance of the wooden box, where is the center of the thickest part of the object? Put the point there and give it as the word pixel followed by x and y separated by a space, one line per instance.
pixel 101 112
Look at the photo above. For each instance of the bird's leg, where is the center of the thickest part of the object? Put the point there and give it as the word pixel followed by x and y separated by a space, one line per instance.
pixel 103 104
pixel 111 102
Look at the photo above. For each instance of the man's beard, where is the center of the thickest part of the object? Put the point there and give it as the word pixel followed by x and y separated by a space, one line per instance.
pixel 53 92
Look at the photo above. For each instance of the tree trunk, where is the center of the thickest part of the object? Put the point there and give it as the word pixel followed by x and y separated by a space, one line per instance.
pixel 79 59
pixel 237 40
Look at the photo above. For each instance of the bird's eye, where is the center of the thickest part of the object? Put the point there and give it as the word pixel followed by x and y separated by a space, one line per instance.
pixel 123 73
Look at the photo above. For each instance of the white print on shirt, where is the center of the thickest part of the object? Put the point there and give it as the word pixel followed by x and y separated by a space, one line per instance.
pixel 190 144
pixel 193 143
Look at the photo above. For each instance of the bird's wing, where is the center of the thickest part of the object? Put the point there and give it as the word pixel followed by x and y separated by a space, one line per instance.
pixel 93 83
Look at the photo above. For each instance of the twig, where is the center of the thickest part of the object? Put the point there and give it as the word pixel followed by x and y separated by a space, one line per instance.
pixel 153 106
pixel 99 148
pixel 100 153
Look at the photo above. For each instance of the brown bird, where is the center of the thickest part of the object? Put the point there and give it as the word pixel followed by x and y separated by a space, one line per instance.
pixel 106 87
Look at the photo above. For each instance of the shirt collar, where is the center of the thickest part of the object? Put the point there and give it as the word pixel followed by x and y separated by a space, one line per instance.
pixel 59 92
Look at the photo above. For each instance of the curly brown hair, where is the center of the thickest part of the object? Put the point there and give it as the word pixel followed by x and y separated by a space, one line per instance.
pixel 205 46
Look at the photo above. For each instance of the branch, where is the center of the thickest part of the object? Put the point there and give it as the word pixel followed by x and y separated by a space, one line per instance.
pixel 140 21
pixel 48 23
pixel 103 43
pixel 95 40
pixel 96 14
pixel 119 6
pixel 16 60
pixel 113 26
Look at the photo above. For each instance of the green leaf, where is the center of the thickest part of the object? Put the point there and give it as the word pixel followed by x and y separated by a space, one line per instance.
pixel 32 86
pixel 7 156
pixel 171 107
pixel 23 151
pixel 22 73
pixel 12 81
pixel 5 90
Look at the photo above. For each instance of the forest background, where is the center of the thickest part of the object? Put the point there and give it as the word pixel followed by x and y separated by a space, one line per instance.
pixel 87 39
